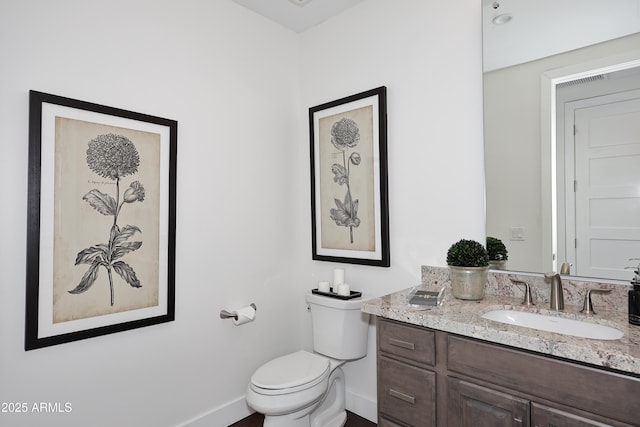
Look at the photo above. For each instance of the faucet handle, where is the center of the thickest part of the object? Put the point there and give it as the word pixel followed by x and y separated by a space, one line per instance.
pixel 587 307
pixel 528 300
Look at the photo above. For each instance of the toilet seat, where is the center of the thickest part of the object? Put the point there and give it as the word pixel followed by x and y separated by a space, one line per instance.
pixel 291 373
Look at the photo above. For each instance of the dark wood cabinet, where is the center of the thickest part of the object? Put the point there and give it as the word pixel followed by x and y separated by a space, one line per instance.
pixel 432 378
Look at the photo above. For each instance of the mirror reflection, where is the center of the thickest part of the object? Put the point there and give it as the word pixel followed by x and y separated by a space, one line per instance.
pixel 557 196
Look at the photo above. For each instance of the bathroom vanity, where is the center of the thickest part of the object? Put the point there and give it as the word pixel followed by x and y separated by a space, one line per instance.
pixel 449 366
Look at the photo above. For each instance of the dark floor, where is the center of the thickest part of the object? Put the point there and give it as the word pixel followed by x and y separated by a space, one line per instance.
pixel 255 420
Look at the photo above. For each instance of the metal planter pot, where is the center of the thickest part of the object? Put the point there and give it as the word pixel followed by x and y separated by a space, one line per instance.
pixel 468 283
pixel 498 264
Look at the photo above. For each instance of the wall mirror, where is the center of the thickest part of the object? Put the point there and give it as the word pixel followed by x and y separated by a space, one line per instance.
pixel 562 133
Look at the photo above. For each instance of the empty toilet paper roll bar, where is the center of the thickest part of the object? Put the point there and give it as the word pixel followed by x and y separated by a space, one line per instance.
pixel 224 314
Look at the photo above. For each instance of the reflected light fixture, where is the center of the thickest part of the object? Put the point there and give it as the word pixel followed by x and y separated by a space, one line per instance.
pixel 501 19
pixel 300 3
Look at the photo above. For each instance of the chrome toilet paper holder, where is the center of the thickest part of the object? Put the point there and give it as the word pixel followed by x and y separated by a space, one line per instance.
pixel 224 314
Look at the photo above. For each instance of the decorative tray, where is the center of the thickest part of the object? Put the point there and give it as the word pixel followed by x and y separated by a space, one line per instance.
pixel 432 297
pixel 354 294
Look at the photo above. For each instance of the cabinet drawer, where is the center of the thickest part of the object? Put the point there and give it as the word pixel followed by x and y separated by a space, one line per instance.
pixel 383 422
pixel 407 393
pixel 409 342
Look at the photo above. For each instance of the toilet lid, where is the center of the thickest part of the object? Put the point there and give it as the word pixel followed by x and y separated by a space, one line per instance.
pixel 290 371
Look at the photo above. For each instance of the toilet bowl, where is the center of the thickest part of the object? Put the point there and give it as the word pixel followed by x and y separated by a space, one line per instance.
pixel 305 389
pixel 288 389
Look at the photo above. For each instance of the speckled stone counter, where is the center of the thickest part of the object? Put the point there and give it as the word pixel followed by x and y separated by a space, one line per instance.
pixel 464 318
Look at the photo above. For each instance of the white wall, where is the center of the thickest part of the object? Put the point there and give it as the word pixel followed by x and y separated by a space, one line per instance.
pixel 235 100
pixel 240 87
pixel 432 69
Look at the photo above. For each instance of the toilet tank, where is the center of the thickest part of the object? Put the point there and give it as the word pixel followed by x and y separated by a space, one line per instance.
pixel 340 329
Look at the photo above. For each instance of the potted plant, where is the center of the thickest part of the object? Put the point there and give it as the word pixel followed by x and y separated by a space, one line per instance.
pixel 497 253
pixel 468 261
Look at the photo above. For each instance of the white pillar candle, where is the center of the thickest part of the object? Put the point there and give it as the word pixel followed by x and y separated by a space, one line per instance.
pixel 338 278
pixel 344 290
pixel 323 286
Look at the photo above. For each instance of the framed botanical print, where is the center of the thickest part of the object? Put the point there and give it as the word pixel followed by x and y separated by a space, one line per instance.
pixel 101 220
pixel 349 195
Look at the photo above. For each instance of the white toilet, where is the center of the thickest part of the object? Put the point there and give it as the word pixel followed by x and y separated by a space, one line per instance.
pixel 307 389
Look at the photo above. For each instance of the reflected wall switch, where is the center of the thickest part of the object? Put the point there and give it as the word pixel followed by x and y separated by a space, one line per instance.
pixel 517 234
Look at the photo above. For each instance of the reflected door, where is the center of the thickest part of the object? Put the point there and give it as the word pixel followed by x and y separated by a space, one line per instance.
pixel 606 196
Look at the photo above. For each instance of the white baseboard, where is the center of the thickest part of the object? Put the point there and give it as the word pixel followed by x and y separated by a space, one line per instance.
pixel 223 415
pixel 236 410
pixel 362 406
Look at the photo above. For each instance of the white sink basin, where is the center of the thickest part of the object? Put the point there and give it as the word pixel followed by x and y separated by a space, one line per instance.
pixel 559 325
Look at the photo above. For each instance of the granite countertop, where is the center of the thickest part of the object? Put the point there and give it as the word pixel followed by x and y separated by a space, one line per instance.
pixel 464 318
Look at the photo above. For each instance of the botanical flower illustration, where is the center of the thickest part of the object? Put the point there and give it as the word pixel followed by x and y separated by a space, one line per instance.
pixel 113 157
pixel 345 135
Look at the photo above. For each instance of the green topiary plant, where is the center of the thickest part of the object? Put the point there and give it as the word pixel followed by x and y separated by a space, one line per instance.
pixel 496 249
pixel 467 253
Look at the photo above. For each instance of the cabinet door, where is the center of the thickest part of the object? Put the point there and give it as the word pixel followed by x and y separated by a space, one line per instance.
pixel 471 405
pixel 545 416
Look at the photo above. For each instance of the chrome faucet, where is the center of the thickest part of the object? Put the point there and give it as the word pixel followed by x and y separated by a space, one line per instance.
pixel 557 298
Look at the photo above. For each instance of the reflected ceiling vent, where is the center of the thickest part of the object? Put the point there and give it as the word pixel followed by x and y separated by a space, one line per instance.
pixel 300 3
pixel 582 81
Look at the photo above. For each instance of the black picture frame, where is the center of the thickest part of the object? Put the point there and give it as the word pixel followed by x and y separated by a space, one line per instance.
pixel 349 179
pixel 60 161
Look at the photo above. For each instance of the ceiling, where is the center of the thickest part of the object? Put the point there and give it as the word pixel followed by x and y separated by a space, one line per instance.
pixel 298 15
pixel 541 28
pixel 520 40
